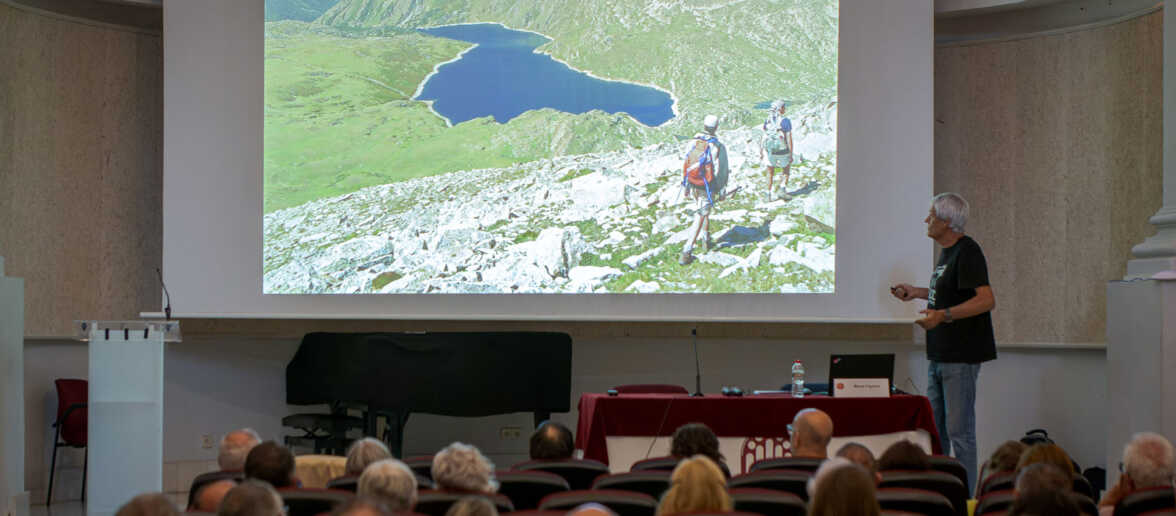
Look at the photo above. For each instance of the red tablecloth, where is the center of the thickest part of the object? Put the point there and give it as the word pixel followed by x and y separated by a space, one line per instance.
pixel 764 415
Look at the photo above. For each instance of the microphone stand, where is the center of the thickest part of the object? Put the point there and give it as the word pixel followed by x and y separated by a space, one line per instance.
pixel 697 365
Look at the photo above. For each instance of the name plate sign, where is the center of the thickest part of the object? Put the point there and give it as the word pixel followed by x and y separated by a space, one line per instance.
pixel 861 388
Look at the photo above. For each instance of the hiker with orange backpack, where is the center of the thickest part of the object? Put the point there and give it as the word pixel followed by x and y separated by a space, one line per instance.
pixel 704 172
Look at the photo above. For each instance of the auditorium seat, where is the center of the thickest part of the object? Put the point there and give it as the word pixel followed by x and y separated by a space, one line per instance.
pixel 204 479
pixel 1146 500
pixel 526 488
pixel 651 388
pixel 580 473
pixel 767 502
pixel 652 483
pixel 1082 486
pixel 995 501
pixel 309 502
pixel 422 465
pixel 786 480
pixel 349 483
pixel 997 482
pixel 797 463
pixel 945 484
pixel 437 503
pixel 624 503
pixel 537 512
pixel 668 463
pixel 914 500
pixel 707 513
pixel 951 465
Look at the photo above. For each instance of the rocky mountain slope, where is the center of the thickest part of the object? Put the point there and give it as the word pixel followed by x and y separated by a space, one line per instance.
pixel 603 222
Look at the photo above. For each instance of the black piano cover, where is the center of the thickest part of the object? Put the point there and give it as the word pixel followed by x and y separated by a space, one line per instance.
pixel 455 374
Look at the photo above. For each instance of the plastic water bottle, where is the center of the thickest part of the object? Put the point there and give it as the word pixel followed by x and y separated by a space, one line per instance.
pixel 797 379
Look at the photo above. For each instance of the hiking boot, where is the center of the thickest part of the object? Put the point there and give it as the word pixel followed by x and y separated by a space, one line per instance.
pixel 686 258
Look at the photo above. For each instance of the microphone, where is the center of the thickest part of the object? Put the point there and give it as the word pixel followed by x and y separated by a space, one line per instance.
pixel 167 307
pixel 697 365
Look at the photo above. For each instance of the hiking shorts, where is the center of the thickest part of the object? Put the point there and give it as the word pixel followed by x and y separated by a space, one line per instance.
pixel 701 205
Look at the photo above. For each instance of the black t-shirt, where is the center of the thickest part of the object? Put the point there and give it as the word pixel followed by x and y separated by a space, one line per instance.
pixel 961 269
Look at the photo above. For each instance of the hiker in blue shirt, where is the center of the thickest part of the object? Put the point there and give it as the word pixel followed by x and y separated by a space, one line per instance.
pixel 777 144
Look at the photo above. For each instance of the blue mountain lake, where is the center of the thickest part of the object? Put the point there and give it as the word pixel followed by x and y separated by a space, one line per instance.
pixel 503 77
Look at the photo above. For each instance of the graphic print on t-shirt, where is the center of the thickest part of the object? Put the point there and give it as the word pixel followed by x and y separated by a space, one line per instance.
pixel 934 279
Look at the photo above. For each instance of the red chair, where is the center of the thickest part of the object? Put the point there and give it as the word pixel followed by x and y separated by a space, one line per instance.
pixel 651 388
pixel 797 463
pixel 652 483
pixel 71 426
pixel 580 473
pixel 784 480
pixel 421 465
pixel 767 502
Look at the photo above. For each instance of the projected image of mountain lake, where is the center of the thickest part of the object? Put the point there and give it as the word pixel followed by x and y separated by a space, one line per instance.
pixel 504 77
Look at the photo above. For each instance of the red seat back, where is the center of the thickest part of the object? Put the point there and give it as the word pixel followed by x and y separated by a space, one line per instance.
pixel 74 427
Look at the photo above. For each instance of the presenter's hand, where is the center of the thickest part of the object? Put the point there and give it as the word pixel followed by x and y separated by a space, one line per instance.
pixel 903 291
pixel 931 319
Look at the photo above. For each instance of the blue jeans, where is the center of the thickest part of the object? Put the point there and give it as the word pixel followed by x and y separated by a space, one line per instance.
pixel 951 387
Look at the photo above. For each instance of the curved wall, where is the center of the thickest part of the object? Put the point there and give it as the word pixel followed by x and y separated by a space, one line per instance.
pixel 1056 142
pixel 81 117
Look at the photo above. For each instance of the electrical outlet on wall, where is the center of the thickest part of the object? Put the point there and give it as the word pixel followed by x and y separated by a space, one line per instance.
pixel 206 441
pixel 510 432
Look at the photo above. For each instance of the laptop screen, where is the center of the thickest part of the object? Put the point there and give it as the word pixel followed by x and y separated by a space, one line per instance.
pixel 880 365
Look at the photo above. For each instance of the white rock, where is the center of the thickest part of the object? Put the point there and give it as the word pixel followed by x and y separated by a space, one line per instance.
pixel 636 260
pixel 719 258
pixel 783 224
pixel 753 260
pixel 592 274
pixel 644 287
pixel 665 223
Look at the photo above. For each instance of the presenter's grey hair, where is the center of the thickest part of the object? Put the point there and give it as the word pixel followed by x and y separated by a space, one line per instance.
pixel 232 453
pixel 462 467
pixel 1148 459
pixel 953 208
pixel 391 482
pixel 363 452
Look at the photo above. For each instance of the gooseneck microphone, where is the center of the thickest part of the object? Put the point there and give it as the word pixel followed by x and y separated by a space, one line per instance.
pixel 697 365
pixel 166 307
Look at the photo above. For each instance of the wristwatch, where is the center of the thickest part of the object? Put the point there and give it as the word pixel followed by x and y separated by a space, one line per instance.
pixel 947 315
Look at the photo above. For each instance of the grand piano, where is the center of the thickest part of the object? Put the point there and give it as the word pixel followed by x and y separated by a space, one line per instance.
pixel 392 375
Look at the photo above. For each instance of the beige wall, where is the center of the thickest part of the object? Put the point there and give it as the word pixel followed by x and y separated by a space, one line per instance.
pixel 81 121
pixel 1056 141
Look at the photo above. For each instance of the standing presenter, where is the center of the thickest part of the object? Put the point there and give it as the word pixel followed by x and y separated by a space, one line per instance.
pixel 958 321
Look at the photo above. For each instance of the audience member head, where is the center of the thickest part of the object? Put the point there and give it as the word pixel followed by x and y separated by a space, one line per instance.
pixel 860 455
pixel 811 431
pixel 363 452
pixel 1045 503
pixel 1048 453
pixel 461 467
pixel 390 482
pixel 840 487
pixel 904 455
pixel 234 447
pixel 271 462
pixel 695 439
pixel 251 498
pixel 472 506
pixel 552 441
pixel 592 509
pixel 149 504
pixel 361 506
pixel 696 485
pixel 209 497
pixel 1042 476
pixel 1005 458
pixel 1148 460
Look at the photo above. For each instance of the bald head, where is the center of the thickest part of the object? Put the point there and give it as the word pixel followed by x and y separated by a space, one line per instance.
pixel 592 509
pixel 552 441
pixel 208 499
pixel 811 431
pixel 235 447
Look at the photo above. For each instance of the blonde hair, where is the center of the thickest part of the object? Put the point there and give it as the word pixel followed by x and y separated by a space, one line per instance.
pixel 1048 454
pixel 844 489
pixel 696 485
pixel 389 481
pixel 364 452
pixel 461 467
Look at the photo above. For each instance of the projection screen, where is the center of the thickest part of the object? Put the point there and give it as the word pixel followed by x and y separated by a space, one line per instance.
pixel 507 160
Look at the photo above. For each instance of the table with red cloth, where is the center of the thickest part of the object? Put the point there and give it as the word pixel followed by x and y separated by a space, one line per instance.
pixel 765 415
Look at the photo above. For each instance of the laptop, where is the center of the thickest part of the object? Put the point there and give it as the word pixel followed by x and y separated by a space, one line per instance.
pixel 879 365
